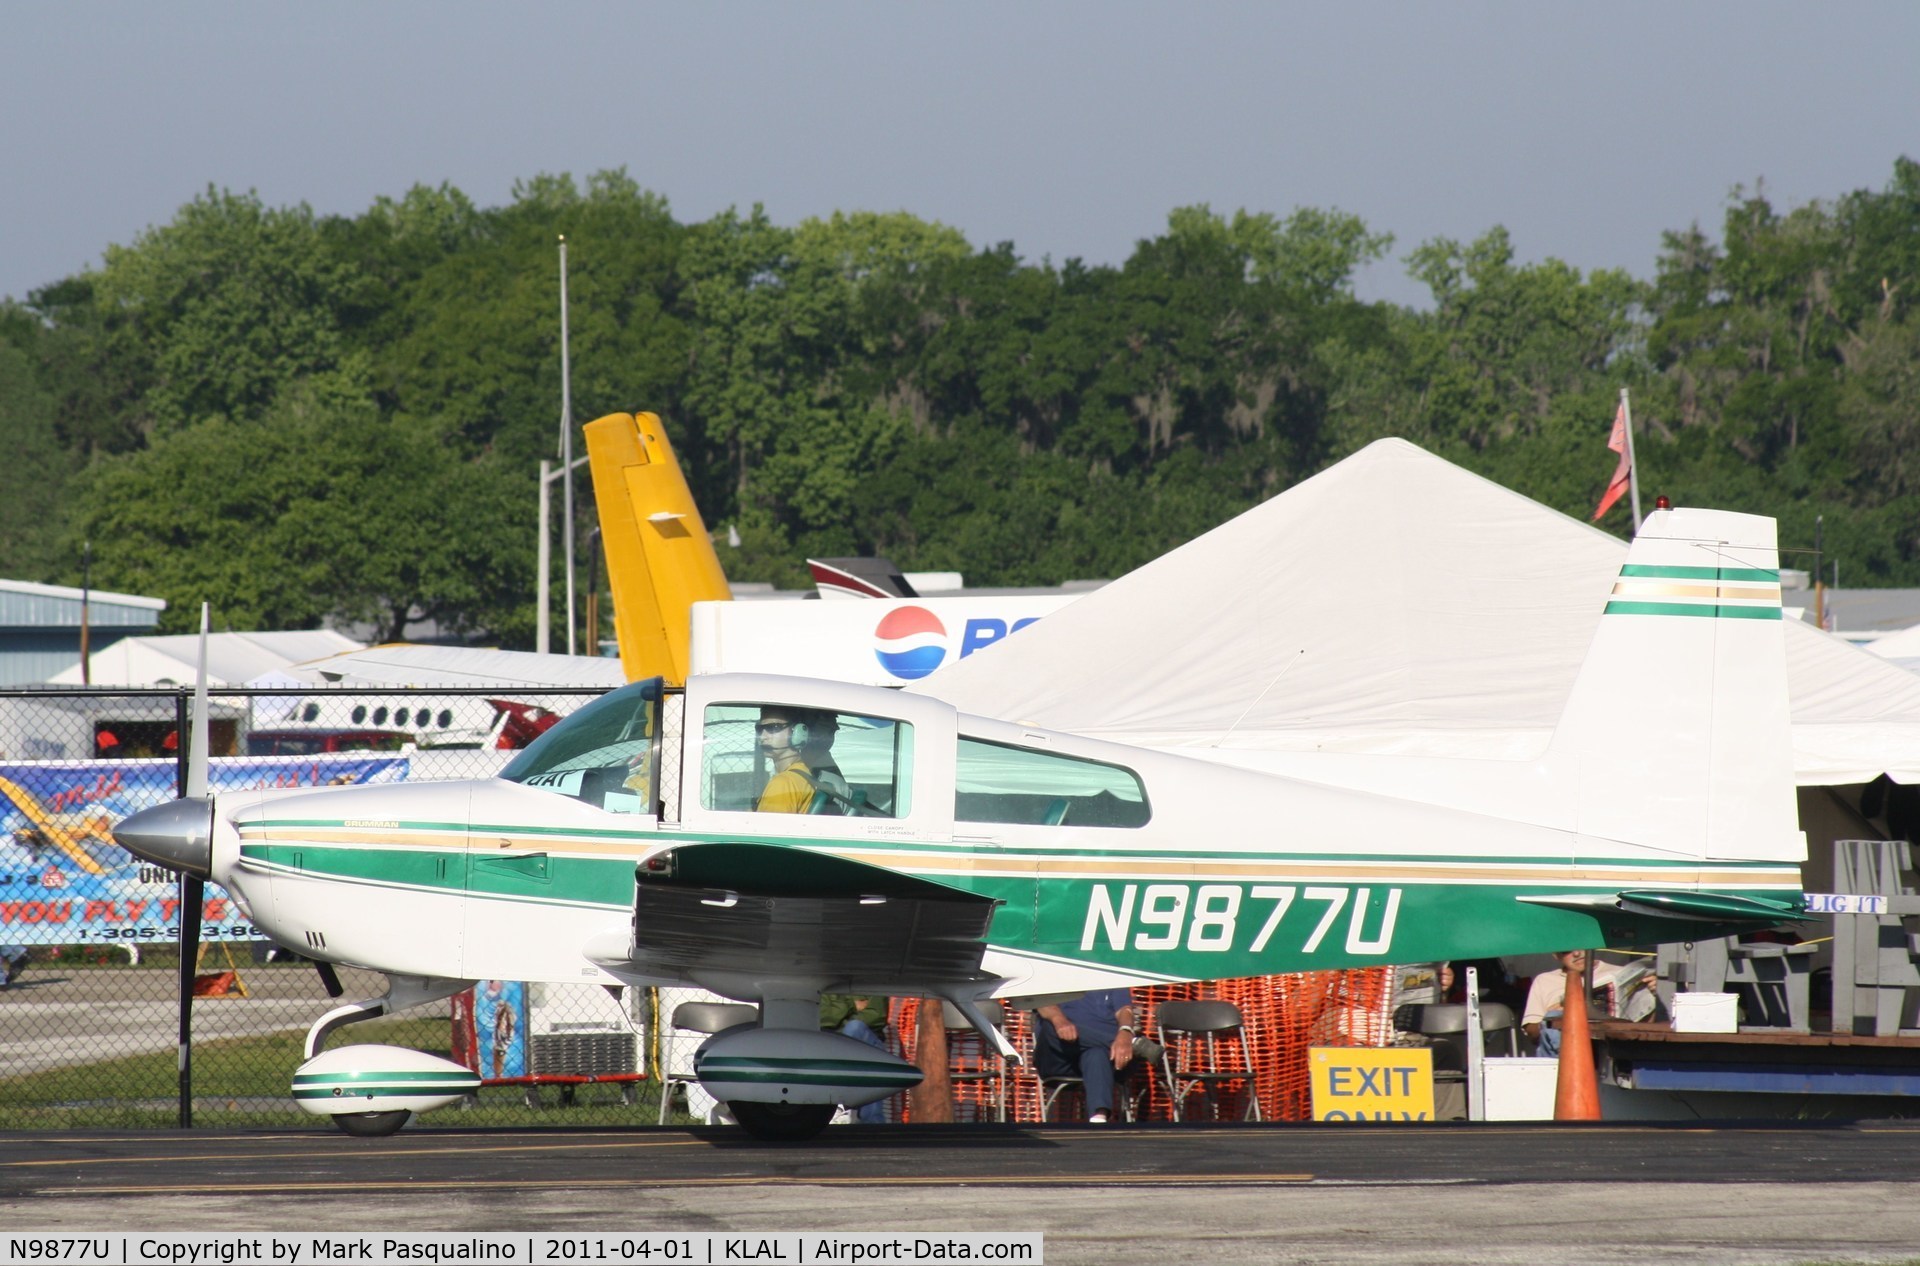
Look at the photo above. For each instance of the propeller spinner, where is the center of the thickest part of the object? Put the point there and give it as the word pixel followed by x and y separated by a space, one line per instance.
pixel 177 835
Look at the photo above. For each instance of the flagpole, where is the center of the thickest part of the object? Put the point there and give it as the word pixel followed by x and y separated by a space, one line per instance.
pixel 1633 467
pixel 566 443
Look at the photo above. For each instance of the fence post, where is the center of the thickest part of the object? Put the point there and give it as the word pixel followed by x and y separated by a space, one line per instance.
pixel 188 966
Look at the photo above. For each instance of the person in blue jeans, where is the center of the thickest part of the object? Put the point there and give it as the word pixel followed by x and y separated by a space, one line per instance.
pixel 13 961
pixel 861 1019
pixel 1540 1021
pixel 1094 1033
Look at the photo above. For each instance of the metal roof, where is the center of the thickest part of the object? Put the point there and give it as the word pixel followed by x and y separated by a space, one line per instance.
pixel 26 605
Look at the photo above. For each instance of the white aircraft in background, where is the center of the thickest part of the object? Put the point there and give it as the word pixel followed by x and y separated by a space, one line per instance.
pixel 963 857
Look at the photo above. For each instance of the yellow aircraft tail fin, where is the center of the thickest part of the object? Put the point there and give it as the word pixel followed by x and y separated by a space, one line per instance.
pixel 659 556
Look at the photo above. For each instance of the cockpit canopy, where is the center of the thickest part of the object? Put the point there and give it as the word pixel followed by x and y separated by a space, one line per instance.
pixel 607 753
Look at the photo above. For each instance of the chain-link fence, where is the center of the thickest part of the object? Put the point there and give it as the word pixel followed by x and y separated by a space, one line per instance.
pixel 90 1016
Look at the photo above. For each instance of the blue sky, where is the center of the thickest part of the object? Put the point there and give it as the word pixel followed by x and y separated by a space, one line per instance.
pixel 1070 129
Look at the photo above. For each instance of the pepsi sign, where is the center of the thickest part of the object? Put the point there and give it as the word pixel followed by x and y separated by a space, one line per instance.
pixel 912 642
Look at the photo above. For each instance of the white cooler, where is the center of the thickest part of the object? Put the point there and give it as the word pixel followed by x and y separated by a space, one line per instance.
pixel 1706 1013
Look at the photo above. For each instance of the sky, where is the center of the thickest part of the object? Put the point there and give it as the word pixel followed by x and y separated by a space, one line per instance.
pixel 1067 128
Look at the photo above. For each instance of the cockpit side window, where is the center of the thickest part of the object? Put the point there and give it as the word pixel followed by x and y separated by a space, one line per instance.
pixel 777 758
pixel 606 754
pixel 997 782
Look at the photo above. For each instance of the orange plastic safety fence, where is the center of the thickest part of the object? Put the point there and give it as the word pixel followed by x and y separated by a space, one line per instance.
pixel 1283 1018
pixel 968 1053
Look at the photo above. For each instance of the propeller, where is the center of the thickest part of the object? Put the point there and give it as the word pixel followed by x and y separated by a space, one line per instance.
pixel 178 835
pixel 193 886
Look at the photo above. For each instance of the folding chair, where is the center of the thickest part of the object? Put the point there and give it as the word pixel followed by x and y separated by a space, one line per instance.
pixel 1206 1052
pixel 971 1059
pixel 691 1020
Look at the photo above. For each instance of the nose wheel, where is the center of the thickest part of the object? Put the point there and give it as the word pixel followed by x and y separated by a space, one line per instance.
pixel 781 1122
pixel 372 1125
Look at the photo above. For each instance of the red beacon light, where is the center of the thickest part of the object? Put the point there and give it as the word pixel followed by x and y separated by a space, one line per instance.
pixel 1663 502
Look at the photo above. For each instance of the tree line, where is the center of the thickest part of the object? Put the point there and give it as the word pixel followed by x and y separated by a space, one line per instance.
pixel 302 417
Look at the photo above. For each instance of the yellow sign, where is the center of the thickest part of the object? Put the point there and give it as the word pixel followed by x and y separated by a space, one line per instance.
pixel 1357 1084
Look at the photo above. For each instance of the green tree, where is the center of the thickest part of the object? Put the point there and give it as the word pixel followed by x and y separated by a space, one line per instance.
pixel 34 478
pixel 325 510
pixel 784 392
pixel 232 302
pixel 475 336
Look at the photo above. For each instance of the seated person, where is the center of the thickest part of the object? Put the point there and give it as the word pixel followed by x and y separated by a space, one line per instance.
pixel 817 754
pixel 1541 1018
pixel 1093 1035
pixel 862 1019
pixel 787 738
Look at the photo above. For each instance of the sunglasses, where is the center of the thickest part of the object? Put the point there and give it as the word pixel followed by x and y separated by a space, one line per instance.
pixel 772 727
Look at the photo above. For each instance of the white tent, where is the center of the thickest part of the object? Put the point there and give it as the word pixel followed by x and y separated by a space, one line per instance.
pixel 459 666
pixel 1393 603
pixel 1902 648
pixel 233 659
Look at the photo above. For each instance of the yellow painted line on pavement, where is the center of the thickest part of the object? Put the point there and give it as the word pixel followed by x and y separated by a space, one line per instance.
pixel 918 1180
pixel 177 1158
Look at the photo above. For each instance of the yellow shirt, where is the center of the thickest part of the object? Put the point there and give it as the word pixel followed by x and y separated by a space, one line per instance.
pixel 789 791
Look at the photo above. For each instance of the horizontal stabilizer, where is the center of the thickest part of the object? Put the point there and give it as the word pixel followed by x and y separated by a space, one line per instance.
pixel 1691 906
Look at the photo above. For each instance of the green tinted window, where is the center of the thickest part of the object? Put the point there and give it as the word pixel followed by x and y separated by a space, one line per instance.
pixel 999 783
pixel 603 754
pixel 767 756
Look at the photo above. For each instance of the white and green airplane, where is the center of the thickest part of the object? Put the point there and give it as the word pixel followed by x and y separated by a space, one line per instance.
pixel 938 854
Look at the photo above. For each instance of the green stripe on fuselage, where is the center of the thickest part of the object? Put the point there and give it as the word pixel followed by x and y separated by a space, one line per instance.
pixel 1709 609
pixel 1197 928
pixel 1761 575
pixel 364 1075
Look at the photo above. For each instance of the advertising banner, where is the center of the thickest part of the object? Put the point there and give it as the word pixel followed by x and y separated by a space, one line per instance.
pixel 490 1029
pixel 63 881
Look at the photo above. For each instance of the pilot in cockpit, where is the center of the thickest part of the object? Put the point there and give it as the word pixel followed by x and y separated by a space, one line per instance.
pixel 796 743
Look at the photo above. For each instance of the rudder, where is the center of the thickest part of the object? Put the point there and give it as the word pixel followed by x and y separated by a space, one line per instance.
pixel 1684 691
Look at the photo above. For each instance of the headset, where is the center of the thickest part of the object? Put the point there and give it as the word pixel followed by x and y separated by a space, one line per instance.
pixel 809 727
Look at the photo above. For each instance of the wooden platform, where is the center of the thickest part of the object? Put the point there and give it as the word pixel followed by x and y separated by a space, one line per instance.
pixel 1655 1057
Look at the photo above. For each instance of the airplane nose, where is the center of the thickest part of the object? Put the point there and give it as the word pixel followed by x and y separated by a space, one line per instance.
pixel 177 835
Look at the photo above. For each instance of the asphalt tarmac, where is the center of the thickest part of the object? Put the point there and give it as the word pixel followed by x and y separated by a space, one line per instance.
pixel 1534 1193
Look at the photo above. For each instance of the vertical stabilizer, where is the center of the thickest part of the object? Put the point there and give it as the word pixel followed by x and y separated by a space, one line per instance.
pixel 659 557
pixel 1685 691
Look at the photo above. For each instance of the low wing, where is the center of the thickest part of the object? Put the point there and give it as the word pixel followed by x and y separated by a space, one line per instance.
pixel 737 912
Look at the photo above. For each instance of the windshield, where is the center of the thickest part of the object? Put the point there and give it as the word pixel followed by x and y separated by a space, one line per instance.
pixel 603 754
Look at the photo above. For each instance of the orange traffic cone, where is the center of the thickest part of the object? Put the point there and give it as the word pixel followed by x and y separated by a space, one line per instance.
pixel 1576 1093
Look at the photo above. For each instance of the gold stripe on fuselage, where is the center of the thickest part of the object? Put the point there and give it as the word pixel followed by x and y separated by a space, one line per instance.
pixel 1409 870
pixel 989 862
pixel 1645 589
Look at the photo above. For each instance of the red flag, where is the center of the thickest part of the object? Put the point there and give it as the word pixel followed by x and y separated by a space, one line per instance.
pixel 1622 474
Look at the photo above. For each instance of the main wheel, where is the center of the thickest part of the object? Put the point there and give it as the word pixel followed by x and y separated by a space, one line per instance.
pixel 781 1122
pixel 372 1125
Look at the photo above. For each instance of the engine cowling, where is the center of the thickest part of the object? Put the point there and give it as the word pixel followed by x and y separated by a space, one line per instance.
pixel 798 1066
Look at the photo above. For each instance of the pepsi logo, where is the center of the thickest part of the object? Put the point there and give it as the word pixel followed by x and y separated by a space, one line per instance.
pixel 912 642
